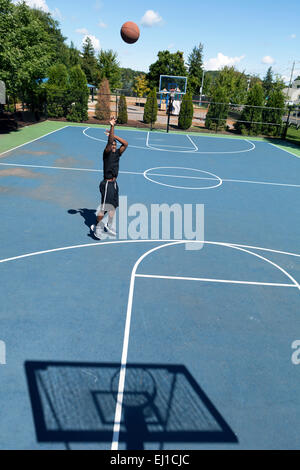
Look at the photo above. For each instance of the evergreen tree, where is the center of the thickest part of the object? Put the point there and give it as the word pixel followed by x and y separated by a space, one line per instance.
pixel 74 55
pixel 251 118
pixel 195 69
pixel 58 99
pixel 89 62
pixel 268 82
pixel 122 110
pixel 218 110
pixel 151 107
pixel 103 101
pixel 186 113
pixel 109 68
pixel 79 95
pixel 273 113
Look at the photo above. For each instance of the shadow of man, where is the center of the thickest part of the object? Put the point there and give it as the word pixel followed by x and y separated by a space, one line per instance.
pixel 89 216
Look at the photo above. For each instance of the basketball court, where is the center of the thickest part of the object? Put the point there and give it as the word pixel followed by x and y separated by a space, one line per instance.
pixel 142 343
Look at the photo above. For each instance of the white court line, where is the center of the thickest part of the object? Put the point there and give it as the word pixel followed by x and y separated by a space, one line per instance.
pixel 204 279
pixel 215 178
pixel 47 167
pixel 117 242
pixel 119 404
pixel 34 140
pixel 52 167
pixel 148 147
pixel 193 143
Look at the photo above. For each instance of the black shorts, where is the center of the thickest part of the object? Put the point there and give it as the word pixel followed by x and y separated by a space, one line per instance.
pixel 109 195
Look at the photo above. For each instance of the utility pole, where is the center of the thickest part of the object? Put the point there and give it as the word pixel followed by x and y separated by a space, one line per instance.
pixel 201 88
pixel 292 73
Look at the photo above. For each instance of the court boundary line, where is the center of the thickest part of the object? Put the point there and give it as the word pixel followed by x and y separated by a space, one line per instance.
pixel 283 149
pixel 34 140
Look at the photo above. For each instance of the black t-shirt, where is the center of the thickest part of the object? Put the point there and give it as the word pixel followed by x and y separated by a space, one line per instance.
pixel 111 164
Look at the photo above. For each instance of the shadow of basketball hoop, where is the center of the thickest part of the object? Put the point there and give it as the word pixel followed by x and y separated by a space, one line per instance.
pixel 161 403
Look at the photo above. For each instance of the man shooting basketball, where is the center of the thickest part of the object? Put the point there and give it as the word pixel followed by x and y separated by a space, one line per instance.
pixel 108 187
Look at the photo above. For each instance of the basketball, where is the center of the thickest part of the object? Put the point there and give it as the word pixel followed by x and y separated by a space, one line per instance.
pixel 130 32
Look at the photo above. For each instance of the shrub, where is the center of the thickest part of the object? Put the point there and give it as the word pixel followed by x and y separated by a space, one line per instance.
pixel 186 113
pixel 122 110
pixel 103 101
pixel 150 110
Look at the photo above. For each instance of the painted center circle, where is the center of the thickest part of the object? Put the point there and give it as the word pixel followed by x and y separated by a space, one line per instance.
pixel 182 178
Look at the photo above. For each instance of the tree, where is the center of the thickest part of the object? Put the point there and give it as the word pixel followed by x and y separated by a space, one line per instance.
pixel 150 110
pixel 79 95
pixel 272 114
pixel 140 86
pixel 127 78
pixel 251 119
pixel 59 50
pixel 186 113
pixel 89 62
pixel 122 110
pixel 268 82
pixel 234 83
pixel 58 99
pixel 103 101
pixel 74 55
pixel 110 68
pixel 167 64
pixel 218 110
pixel 195 69
pixel 25 50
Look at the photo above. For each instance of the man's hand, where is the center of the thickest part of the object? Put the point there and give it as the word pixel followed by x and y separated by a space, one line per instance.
pixel 113 121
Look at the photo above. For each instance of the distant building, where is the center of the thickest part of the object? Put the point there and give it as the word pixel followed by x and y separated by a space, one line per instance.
pixel 293 94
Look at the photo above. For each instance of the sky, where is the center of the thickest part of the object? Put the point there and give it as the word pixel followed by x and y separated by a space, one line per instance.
pixel 252 35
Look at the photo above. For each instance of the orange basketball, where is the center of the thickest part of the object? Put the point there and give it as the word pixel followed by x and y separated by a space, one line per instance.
pixel 130 32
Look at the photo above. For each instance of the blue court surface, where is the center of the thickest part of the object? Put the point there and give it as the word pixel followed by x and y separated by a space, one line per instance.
pixel 138 343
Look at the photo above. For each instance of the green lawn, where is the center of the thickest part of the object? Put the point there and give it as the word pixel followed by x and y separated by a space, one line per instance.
pixel 293 135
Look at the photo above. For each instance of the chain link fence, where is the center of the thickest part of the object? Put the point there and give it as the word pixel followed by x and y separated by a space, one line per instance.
pixel 237 119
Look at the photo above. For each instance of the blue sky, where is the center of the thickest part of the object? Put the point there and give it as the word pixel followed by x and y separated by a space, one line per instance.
pixel 251 35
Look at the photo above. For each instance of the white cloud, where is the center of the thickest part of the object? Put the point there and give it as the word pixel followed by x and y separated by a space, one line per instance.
pixel 293 36
pixel 95 42
pixel 151 18
pixel 82 31
pixel 216 63
pixel 57 14
pixel 102 25
pixel 41 4
pixel 171 46
pixel 267 60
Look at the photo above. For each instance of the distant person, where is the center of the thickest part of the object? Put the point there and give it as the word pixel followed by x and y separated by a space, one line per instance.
pixel 108 187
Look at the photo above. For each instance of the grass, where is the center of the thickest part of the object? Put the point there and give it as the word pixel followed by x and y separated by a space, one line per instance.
pixel 293 135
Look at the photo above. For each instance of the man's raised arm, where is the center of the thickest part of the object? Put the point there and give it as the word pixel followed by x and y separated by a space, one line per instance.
pixel 111 134
pixel 123 142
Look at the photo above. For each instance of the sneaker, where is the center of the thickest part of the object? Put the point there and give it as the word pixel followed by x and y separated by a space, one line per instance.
pixel 110 230
pixel 96 232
